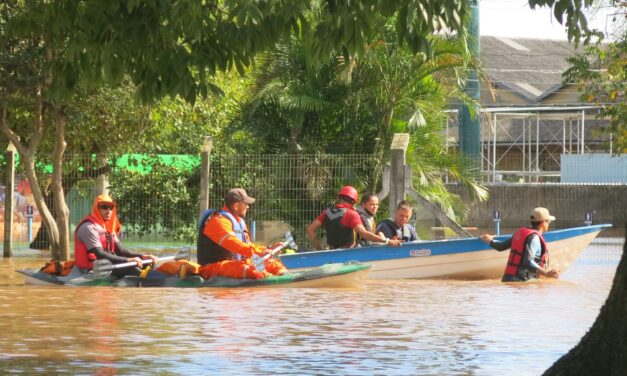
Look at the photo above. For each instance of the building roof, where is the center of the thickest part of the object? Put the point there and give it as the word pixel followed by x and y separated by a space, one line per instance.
pixel 529 68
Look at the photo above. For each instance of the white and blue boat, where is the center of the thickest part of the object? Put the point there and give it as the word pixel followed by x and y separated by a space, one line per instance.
pixel 465 258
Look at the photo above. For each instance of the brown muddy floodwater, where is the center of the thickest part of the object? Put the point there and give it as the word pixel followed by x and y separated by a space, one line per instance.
pixel 389 327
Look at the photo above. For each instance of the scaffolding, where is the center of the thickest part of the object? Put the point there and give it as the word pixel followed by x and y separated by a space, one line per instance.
pixel 524 144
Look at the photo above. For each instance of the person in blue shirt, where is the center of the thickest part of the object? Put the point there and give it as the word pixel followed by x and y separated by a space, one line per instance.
pixel 399 227
pixel 528 257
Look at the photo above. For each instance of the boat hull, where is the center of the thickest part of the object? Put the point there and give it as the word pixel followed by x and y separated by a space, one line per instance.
pixel 468 258
pixel 335 275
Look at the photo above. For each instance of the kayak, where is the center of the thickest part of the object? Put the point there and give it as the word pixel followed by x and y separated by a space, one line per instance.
pixel 337 275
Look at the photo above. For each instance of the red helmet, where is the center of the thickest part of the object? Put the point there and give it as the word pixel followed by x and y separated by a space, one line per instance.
pixel 349 191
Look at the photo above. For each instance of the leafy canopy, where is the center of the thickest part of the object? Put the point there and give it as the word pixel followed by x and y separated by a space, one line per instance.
pixel 171 48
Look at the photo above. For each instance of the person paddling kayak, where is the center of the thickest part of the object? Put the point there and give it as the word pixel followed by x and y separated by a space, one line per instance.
pixel 528 257
pixel 223 243
pixel 96 238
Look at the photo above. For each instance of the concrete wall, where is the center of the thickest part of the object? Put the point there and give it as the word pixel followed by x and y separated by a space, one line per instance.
pixel 569 203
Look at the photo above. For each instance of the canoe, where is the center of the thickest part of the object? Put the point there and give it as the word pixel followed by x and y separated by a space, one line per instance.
pixel 335 275
pixel 466 258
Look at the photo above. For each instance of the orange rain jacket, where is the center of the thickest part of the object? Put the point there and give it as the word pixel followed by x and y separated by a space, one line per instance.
pixel 220 230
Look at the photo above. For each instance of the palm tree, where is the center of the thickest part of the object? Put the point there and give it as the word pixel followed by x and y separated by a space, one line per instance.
pixel 286 93
pixel 410 93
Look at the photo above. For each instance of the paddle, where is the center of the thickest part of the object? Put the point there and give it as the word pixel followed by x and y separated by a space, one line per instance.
pixel 258 261
pixel 103 267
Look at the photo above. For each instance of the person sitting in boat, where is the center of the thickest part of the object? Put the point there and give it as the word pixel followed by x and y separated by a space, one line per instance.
pixel 223 243
pixel 529 254
pixel 96 237
pixel 342 224
pixel 399 227
pixel 367 209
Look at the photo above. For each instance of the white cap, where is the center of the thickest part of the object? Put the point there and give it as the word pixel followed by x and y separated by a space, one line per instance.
pixel 541 214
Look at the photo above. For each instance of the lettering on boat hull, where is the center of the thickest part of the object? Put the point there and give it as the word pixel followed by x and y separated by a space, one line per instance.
pixel 420 252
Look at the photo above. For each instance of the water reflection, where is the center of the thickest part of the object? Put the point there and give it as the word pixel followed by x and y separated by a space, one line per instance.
pixel 390 327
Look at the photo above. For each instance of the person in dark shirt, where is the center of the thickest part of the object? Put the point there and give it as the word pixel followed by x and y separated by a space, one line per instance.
pixel 399 227
pixel 367 209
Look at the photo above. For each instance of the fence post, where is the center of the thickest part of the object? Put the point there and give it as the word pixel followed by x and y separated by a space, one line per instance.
pixel 102 185
pixel 398 149
pixel 8 201
pixel 401 183
pixel 205 166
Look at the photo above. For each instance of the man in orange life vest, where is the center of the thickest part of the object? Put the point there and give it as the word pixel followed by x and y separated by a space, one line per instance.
pixel 224 246
pixel 342 224
pixel 96 237
pixel 528 255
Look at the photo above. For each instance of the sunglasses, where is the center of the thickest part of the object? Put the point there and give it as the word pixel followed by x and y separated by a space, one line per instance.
pixel 105 207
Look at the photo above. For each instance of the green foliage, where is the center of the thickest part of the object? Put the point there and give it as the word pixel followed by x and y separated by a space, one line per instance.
pixel 179 127
pixel 600 73
pixel 175 48
pixel 166 200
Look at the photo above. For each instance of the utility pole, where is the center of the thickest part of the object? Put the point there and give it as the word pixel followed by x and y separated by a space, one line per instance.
pixel 469 128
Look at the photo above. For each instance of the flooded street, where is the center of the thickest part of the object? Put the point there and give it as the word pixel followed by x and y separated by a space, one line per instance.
pixel 389 327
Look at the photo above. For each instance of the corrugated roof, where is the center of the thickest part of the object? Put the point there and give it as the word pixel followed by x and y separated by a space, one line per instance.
pixel 530 68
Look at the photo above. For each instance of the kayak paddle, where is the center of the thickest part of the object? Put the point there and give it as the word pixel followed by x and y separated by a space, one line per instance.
pixel 102 268
pixel 258 261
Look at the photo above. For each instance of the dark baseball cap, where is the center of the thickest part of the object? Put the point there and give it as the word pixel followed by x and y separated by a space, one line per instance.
pixel 238 195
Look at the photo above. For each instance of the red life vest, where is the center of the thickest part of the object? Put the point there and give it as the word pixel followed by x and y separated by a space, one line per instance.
pixel 82 257
pixel 517 251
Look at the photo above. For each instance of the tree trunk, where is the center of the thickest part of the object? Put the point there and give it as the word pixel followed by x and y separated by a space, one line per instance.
pixel 58 194
pixel 58 232
pixel 603 350
pixel 42 239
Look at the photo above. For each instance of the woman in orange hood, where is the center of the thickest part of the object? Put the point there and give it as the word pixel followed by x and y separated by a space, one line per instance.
pixel 96 237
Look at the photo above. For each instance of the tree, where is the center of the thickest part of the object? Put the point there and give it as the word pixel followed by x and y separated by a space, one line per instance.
pixel 602 350
pixel 600 73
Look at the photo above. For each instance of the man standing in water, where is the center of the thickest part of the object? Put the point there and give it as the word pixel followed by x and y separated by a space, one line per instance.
pixel 96 237
pixel 528 257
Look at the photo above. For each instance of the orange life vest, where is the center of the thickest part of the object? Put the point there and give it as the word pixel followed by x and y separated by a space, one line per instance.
pixel 83 258
pixel 517 251
pixel 55 267
pixel 176 267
